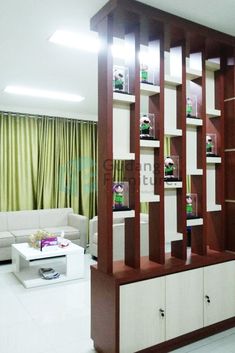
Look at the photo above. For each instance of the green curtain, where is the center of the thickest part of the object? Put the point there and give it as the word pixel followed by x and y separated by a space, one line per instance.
pixel 47 162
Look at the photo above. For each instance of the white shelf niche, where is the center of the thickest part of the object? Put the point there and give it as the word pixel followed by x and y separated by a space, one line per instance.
pixel 173 184
pixel 149 197
pixel 213 113
pixel 123 98
pixel 211 67
pixel 191 151
pixel 194 121
pixel 149 143
pixel 121 136
pixel 194 222
pixel 213 64
pixel 148 89
pixel 147 176
pixel 171 216
pixel 213 160
pixel 194 66
pixel 170 107
pixel 173 66
pixel 123 214
pixel 211 188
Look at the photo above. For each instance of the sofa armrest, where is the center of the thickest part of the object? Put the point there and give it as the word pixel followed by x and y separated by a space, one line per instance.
pixel 93 228
pixel 81 223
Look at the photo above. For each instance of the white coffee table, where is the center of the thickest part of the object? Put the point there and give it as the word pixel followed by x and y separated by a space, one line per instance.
pixel 68 261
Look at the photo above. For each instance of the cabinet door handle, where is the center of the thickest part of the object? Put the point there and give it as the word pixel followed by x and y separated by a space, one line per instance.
pixel 207 299
pixel 162 313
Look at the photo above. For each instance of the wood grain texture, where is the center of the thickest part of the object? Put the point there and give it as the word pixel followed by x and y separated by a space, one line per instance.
pixel 105 148
pixel 104 312
pixel 140 9
pixel 230 225
pixel 149 269
pixel 156 210
pixel 230 172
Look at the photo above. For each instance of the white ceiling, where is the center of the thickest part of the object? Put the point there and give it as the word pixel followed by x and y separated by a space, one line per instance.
pixel 27 57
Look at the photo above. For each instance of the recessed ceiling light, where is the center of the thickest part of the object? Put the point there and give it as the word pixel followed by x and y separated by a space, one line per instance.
pixel 33 92
pixel 75 40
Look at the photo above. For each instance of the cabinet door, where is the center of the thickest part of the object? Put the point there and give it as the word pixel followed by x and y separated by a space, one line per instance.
pixel 219 290
pixel 142 324
pixel 184 302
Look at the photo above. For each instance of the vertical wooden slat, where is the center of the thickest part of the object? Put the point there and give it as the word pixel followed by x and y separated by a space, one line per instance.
pixel 105 147
pixel 156 210
pixel 132 226
pixel 178 147
pixel 216 220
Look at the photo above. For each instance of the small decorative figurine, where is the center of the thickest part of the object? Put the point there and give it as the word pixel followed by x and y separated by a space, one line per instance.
pixel 209 145
pixel 118 79
pixel 121 196
pixel 169 168
pixel 145 126
pixel 189 205
pixel 144 73
pixel 189 107
pixel 118 197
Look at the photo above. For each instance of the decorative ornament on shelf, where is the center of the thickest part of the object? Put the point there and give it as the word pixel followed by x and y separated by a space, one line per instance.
pixel 120 79
pixel 147 126
pixel 171 166
pixel 211 145
pixel 121 196
pixel 191 206
pixel 36 238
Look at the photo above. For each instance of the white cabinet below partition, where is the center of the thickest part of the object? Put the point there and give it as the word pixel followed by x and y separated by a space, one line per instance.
pixel 184 306
pixel 160 309
pixel 219 292
pixel 142 306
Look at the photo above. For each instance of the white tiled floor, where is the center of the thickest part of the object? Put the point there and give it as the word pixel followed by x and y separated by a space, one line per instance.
pixel 56 319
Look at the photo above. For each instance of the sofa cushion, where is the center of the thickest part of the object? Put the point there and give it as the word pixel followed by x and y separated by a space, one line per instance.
pixel 95 238
pixel 54 217
pixel 23 220
pixel 3 221
pixel 22 236
pixel 70 233
pixel 6 239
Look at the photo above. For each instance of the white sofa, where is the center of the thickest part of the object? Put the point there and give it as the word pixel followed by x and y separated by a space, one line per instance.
pixel 17 226
pixel 118 237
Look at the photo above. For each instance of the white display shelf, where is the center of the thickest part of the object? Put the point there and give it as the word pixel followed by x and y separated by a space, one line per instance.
pixel 172 80
pixel 149 90
pixel 171 236
pixel 212 160
pixel 147 197
pixel 194 222
pixel 195 172
pixel 213 113
pixel 173 184
pixel 149 143
pixel 123 98
pixel 212 65
pixel 125 157
pixel 194 121
pixel 215 207
pixel 173 132
pixel 191 74
pixel 124 214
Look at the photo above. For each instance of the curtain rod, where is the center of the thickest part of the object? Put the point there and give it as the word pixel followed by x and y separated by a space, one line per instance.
pixel 35 116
